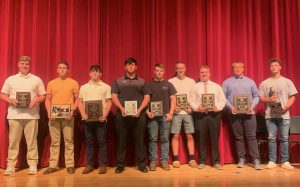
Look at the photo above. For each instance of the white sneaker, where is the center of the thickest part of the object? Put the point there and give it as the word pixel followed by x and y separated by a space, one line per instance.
pixel 32 170
pixel 271 165
pixel 9 171
pixel 287 165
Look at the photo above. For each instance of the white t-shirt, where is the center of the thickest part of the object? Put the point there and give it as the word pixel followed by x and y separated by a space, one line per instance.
pixel 183 86
pixel 18 83
pixel 284 88
pixel 99 91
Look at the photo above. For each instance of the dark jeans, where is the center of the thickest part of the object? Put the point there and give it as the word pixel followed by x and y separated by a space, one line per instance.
pixel 90 128
pixel 244 126
pixel 136 125
pixel 207 125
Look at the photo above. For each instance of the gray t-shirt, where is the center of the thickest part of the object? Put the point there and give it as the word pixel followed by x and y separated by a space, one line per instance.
pixel 283 88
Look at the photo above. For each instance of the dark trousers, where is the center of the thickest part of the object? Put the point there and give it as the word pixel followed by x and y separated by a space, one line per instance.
pixel 136 125
pixel 244 127
pixel 90 128
pixel 207 125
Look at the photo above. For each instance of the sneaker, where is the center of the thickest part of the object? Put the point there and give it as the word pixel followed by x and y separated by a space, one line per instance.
pixel 218 166
pixel 271 165
pixel 70 170
pixel 119 169
pixel 9 171
pixel 87 169
pixel 176 164
pixel 32 170
pixel 287 165
pixel 165 165
pixel 142 168
pixel 241 163
pixel 102 170
pixel 256 164
pixel 50 170
pixel 152 166
pixel 201 166
pixel 193 164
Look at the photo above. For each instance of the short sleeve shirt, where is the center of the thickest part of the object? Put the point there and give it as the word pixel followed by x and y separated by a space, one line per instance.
pixel 18 83
pixel 284 88
pixel 161 91
pixel 130 89
pixel 62 91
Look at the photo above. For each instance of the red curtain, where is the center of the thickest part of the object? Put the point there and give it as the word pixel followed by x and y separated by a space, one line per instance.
pixel 105 32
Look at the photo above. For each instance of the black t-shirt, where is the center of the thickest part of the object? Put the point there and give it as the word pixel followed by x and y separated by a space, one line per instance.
pixel 130 89
pixel 161 91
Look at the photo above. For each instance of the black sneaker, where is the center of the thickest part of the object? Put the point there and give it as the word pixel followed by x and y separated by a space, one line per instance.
pixel 143 168
pixel 119 169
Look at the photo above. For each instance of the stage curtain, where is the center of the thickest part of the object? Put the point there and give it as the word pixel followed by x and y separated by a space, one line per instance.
pixel 106 32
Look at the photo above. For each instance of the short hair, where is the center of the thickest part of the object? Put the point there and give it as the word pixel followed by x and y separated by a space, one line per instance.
pixel 130 60
pixel 64 62
pixel 159 65
pixel 180 62
pixel 95 68
pixel 204 67
pixel 25 59
pixel 275 60
pixel 237 62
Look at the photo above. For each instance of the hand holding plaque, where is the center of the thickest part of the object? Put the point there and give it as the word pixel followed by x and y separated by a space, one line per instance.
pixel 208 101
pixel 60 111
pixel 242 104
pixel 24 99
pixel 181 101
pixel 156 108
pixel 130 108
pixel 94 110
pixel 275 106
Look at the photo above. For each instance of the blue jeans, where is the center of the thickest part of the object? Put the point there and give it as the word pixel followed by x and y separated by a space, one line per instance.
pixel 163 126
pixel 283 125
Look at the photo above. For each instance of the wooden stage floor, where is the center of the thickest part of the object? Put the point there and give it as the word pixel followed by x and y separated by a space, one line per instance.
pixel 184 176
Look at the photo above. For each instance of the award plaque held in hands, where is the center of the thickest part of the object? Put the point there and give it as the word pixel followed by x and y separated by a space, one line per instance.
pixel 156 108
pixel 208 101
pixel 181 101
pixel 60 111
pixel 93 110
pixel 241 104
pixel 130 108
pixel 24 99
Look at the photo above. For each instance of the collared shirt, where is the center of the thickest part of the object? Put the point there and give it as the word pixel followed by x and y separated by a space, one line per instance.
pixel 130 89
pixel 183 86
pixel 235 86
pixel 19 83
pixel 95 91
pixel 195 96
pixel 284 88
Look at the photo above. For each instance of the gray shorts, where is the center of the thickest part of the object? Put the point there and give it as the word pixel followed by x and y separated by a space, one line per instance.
pixel 188 123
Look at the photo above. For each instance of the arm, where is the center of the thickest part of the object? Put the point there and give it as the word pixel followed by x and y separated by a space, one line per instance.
pixel 172 108
pixel 10 101
pixel 81 109
pixel 36 101
pixel 144 104
pixel 106 111
pixel 116 102
pixel 48 105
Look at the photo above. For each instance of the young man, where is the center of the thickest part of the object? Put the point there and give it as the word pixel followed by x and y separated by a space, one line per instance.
pixel 25 118
pixel 244 124
pixel 183 86
pixel 95 90
pixel 61 91
pixel 130 89
pixel 277 89
pixel 207 118
pixel 164 92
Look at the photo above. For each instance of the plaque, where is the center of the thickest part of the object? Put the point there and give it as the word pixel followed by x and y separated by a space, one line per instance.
pixel 24 99
pixel 241 104
pixel 156 108
pixel 208 101
pixel 93 109
pixel 181 101
pixel 276 106
pixel 130 108
pixel 60 111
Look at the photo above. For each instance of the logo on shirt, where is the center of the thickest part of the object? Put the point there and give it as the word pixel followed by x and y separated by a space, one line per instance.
pixel 165 88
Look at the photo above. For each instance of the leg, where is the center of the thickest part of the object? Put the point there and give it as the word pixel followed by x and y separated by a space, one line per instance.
pixel 284 127
pixel 238 132
pixel 122 134
pixel 153 136
pixel 139 138
pixel 175 130
pixel 272 131
pixel 250 133
pixel 88 128
pixel 15 135
pixel 31 131
pixel 68 131
pixel 202 123
pixel 214 132
pixel 55 134
pixel 164 139
pixel 102 144
pixel 189 130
